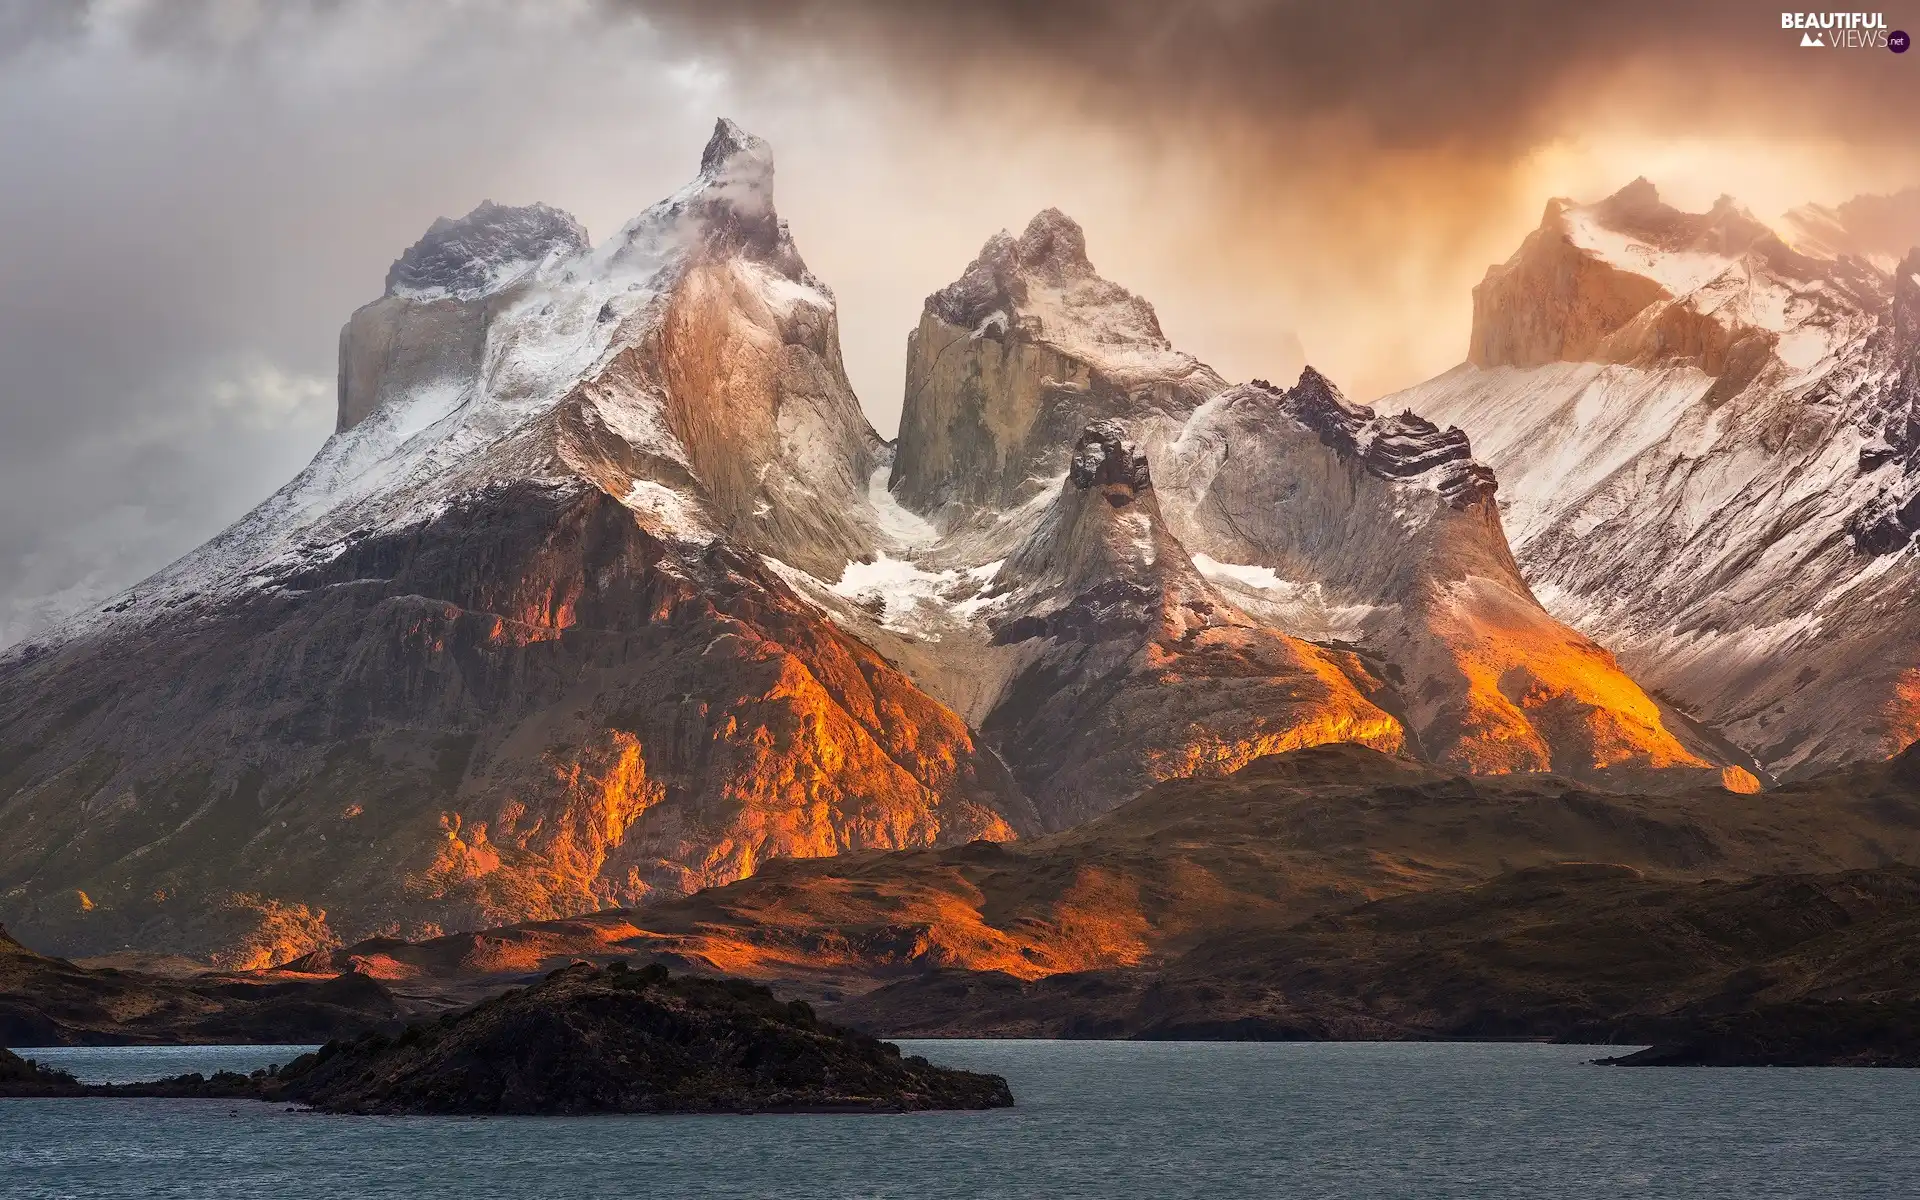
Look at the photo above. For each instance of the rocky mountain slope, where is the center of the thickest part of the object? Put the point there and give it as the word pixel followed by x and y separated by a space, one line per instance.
pixel 1291 838
pixel 1150 574
pixel 507 647
pixel 1800 969
pixel 1706 441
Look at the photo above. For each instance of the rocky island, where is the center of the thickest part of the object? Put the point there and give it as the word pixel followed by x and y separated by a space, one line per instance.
pixel 590 1040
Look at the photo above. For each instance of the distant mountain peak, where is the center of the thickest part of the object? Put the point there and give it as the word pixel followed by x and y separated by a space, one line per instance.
pixel 1637 198
pixel 1633 279
pixel 1043 282
pixel 477 253
pixel 733 148
pixel 1053 242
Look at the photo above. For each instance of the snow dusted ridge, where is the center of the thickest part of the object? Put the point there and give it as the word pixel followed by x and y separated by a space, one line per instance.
pixel 500 355
pixel 484 251
pixel 1042 284
pixel 1706 442
pixel 1013 359
pixel 1879 229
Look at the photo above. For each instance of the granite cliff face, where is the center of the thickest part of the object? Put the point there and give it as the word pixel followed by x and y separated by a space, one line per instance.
pixel 507 648
pixel 1705 437
pixel 1013 359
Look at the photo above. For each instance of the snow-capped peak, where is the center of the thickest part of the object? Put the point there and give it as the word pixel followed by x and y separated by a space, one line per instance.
pixel 727 209
pixel 483 251
pixel 1635 231
pixel 737 158
pixel 453 382
pixel 1042 284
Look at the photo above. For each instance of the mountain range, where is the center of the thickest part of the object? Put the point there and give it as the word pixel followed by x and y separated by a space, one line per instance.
pixel 604 591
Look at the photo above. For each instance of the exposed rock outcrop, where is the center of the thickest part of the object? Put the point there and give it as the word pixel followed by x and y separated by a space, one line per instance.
pixel 1014 358
pixel 1406 446
pixel 24 1077
pixel 1132 668
pixel 594 1041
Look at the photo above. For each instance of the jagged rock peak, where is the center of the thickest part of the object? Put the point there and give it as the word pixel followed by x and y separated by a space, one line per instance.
pixel 1638 199
pixel 733 200
pixel 477 252
pixel 1053 245
pixel 1405 447
pixel 1104 457
pixel 1317 404
pixel 1727 228
pixel 733 149
pixel 1044 275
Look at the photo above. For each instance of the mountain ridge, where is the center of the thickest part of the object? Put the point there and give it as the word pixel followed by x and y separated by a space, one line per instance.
pixel 1714 474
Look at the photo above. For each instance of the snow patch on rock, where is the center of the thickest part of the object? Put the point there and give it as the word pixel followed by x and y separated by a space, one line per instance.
pixel 909 599
pixel 905 528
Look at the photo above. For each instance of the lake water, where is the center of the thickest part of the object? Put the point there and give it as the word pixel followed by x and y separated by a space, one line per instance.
pixel 1114 1120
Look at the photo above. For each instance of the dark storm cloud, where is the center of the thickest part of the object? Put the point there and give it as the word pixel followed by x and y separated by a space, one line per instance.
pixel 1494 74
pixel 1358 163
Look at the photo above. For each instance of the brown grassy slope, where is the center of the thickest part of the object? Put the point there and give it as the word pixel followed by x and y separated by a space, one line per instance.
pixel 1575 952
pixel 49 1002
pixel 1289 837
